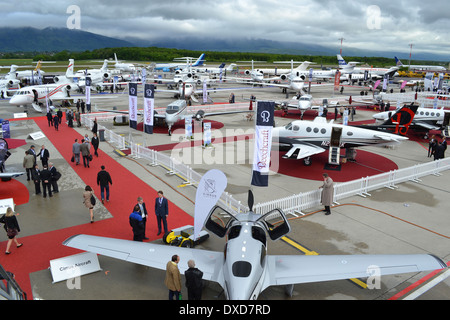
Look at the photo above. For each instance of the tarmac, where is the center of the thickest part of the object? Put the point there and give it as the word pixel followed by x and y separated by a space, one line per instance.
pixel 409 220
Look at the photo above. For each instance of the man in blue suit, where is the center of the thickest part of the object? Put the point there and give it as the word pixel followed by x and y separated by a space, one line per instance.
pixel 161 211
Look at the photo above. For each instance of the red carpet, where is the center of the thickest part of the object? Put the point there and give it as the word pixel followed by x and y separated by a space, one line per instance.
pixel 14 189
pixel 367 164
pixel 39 249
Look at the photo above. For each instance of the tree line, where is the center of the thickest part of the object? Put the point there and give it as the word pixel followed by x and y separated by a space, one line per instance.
pixel 155 54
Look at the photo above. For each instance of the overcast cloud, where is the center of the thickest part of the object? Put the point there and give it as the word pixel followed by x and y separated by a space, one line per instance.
pixel 374 25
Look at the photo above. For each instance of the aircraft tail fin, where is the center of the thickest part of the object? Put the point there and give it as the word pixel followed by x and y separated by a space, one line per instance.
pixel 105 66
pixel 38 65
pixel 341 61
pixel 69 72
pixel 398 62
pixel 222 65
pixel 199 61
pixel 402 119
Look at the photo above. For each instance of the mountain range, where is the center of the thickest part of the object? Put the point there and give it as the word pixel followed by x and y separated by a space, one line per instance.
pixel 28 39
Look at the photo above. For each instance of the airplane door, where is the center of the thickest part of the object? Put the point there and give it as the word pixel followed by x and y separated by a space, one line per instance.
pixel 334 153
pixel 218 221
pixel 446 125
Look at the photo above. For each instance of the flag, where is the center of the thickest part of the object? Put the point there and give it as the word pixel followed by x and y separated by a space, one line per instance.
pixel 88 94
pixel 337 80
pixel 404 83
pixel 209 190
pixel 377 83
pixel 132 98
pixel 263 143
pixel 149 106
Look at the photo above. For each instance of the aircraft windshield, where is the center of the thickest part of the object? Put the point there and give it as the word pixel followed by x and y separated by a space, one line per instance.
pixel 172 109
pixel 288 126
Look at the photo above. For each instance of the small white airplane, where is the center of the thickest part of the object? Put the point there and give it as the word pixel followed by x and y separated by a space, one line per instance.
pixel 374 73
pixel 37 95
pixel 10 81
pixel 307 102
pixel 244 268
pixel 31 73
pixel 256 75
pixel 126 67
pixel 428 68
pixel 98 76
pixel 170 67
pixel 178 110
pixel 307 138
pixel 215 70
pixel 425 119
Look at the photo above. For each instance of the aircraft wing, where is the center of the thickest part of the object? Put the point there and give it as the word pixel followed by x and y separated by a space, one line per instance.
pixel 151 255
pixel 304 150
pixel 425 125
pixel 292 269
pixel 391 138
pixel 8 175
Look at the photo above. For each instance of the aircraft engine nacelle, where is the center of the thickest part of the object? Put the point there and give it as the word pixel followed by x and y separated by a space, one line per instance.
pixel 283 77
pixel 56 79
pixel 177 71
pixel 247 72
pixel 106 76
pixel 189 75
pixel 199 82
pixel 68 88
pixel 199 115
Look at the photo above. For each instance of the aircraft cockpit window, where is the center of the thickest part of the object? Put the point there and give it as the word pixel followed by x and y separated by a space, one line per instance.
pixel 288 126
pixel 241 269
pixel 304 99
pixel 234 232
pixel 259 234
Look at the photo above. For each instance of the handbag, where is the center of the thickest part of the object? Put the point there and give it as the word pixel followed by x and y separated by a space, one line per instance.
pixel 90 157
pixel 72 159
pixel 93 201
pixel 11 233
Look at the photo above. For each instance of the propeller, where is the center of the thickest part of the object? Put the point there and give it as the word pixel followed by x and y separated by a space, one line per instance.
pixel 250 200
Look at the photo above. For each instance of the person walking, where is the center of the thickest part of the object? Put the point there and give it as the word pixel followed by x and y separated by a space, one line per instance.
pixel 12 229
pixel 104 180
pixel 76 152
pixel 327 193
pixel 36 176
pixel 161 211
pixel 46 177
pixel 194 282
pixel 87 195
pixel 432 146
pixel 56 122
pixel 84 149
pixel 95 142
pixel 173 278
pixel 137 224
pixel 28 164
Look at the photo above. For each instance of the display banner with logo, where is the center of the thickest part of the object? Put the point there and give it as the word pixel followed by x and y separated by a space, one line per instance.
pixel 209 190
pixel 149 107
pixel 88 94
pixel 263 143
pixel 132 94
pixel 206 133
pixel 188 127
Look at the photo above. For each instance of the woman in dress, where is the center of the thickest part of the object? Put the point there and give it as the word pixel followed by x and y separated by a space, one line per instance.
pixel 12 229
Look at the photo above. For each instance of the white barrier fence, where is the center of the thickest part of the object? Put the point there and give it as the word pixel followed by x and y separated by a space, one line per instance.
pixel 294 204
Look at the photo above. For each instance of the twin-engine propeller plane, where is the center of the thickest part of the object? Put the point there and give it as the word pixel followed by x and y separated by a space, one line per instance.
pixel 244 269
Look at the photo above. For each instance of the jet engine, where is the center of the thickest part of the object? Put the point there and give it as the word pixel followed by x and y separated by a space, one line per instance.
pixel 199 115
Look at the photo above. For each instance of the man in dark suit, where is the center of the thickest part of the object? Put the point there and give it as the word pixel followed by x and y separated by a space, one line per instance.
pixel 104 180
pixel 44 155
pixel 161 211
pixel 46 177
pixel 141 204
pixel 55 177
pixel 36 176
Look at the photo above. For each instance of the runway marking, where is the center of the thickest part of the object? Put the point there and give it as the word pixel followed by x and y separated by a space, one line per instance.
pixel 425 288
pixel 295 244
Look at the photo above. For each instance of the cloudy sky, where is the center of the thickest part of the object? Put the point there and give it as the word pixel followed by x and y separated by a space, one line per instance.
pixel 374 25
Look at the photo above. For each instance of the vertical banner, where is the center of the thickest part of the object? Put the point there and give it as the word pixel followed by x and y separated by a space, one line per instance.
pixel 263 143
pixel 132 98
pixel 385 82
pixel 149 107
pixel 144 75
pixel 5 129
pixel 206 133
pixel 188 127
pixel 205 92
pixel 337 80
pixel 377 83
pixel 209 190
pixel 404 83
pixel 88 94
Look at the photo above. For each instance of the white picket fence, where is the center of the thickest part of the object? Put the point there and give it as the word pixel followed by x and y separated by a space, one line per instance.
pixel 295 204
